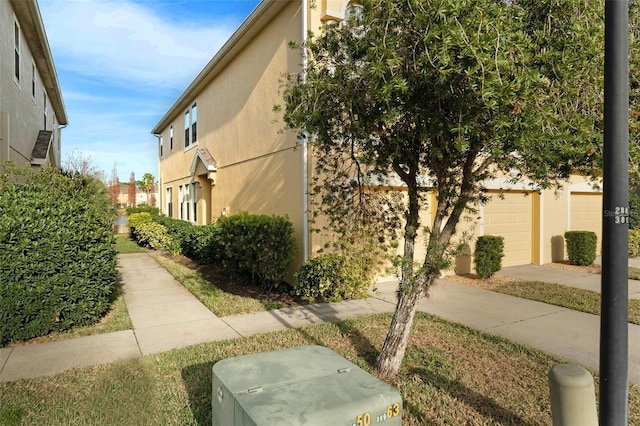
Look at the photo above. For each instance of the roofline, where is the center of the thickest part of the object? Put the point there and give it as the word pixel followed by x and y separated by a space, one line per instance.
pixel 256 21
pixel 28 14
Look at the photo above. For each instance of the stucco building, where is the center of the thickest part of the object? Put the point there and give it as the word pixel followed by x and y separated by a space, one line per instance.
pixel 221 150
pixel 32 111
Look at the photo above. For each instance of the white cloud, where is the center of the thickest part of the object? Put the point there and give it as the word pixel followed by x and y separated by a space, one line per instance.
pixel 130 43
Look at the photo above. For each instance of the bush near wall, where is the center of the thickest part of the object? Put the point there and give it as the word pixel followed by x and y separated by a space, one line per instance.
pixel 581 247
pixel 333 277
pixel 199 243
pixel 57 255
pixel 634 242
pixel 488 255
pixel 259 246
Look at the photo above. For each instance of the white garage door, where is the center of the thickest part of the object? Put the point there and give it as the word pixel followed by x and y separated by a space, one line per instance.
pixel 511 217
pixel 586 214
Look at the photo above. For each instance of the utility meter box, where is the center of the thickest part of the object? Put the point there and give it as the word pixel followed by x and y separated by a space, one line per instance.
pixel 305 385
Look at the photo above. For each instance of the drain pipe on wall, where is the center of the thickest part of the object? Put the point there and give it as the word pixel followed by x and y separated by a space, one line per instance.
pixel 304 139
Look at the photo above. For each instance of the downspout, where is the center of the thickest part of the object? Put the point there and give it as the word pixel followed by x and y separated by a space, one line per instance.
pixel 160 195
pixel 303 141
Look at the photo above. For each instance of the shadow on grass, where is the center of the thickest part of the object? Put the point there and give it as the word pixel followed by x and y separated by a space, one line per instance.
pixel 197 380
pixel 435 370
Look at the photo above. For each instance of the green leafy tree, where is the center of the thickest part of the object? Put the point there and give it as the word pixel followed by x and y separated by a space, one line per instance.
pixel 443 95
pixel 146 184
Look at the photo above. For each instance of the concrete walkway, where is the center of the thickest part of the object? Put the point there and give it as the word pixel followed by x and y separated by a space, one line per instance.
pixel 165 316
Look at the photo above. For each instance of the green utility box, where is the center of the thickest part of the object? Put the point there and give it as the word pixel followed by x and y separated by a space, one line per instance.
pixel 306 385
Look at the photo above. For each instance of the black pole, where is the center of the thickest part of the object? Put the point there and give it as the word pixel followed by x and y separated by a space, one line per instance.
pixel 615 227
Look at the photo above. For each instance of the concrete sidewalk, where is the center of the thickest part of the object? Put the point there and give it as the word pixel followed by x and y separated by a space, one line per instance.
pixel 166 316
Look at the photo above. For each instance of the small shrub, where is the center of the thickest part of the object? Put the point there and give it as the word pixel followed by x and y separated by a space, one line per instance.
pixel 134 220
pixel 634 242
pixel 488 255
pixel 152 235
pixel 333 277
pixel 257 245
pixel 202 243
pixel 581 247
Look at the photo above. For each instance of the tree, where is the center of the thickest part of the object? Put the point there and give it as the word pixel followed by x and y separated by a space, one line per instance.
pixel 132 190
pixel 146 184
pixel 442 95
pixel 114 186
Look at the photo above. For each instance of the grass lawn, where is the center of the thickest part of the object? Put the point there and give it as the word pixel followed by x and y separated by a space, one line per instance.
pixel 124 244
pixel 219 293
pixel 452 375
pixel 634 273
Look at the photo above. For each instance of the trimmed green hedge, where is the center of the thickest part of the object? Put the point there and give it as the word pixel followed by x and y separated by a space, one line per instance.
pixel 143 208
pixel 333 277
pixel 259 246
pixel 57 253
pixel 488 255
pixel 581 247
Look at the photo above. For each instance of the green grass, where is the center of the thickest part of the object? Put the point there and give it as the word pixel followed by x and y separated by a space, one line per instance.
pixel 216 300
pixel 568 297
pixel 451 375
pixel 124 244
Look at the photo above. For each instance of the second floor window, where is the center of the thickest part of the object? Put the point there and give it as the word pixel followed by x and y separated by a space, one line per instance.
pixel 171 138
pixel 161 141
pixel 16 50
pixel 187 126
pixel 191 126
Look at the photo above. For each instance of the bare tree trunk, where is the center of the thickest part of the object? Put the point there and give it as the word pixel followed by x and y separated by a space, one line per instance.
pixel 390 359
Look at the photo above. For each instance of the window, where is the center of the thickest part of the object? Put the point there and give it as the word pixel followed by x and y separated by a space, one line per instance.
pixel 191 125
pixel 354 11
pixel 171 138
pixel 186 129
pixel 161 142
pixel 45 111
pixel 16 44
pixel 194 197
pixel 169 202
pixel 33 80
pixel 194 123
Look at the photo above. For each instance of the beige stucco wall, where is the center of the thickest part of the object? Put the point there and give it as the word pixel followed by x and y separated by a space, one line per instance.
pixel 259 169
pixel 21 113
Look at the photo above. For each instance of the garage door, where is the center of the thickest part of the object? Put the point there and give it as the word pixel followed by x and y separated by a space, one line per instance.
pixel 586 214
pixel 511 217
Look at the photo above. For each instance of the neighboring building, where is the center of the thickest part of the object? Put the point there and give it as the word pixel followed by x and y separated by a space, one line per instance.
pixel 142 197
pixel 221 150
pixel 32 111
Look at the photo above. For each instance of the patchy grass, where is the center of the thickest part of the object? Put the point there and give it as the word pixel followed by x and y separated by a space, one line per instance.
pixel 554 294
pixel 452 375
pixel 210 293
pixel 124 244
pixel 634 273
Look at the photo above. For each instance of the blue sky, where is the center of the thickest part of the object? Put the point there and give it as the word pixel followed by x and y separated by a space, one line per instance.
pixel 123 63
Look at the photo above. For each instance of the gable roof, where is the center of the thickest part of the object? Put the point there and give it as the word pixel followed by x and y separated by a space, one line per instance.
pixel 28 15
pixel 255 22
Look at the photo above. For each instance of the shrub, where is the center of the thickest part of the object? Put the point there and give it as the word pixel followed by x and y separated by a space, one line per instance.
pixel 634 242
pixel 152 235
pixel 134 220
pixel 333 277
pixel 257 245
pixel 581 247
pixel 488 255
pixel 57 253
pixel 202 243
pixel 143 208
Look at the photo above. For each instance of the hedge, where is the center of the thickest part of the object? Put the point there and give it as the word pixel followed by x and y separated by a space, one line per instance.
pixel 259 246
pixel 581 247
pixel 634 242
pixel 488 255
pixel 333 277
pixel 57 254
